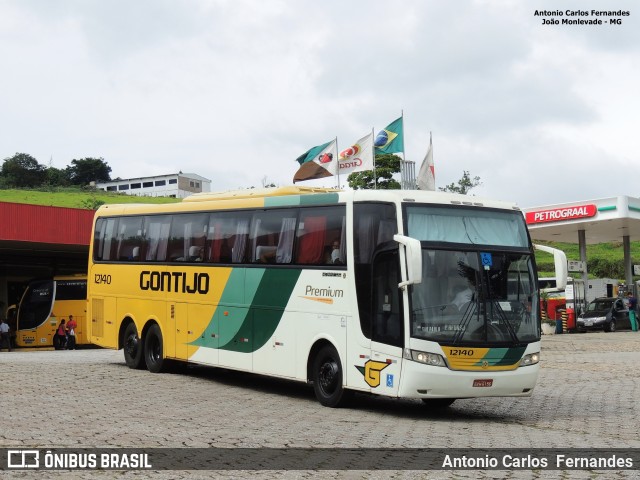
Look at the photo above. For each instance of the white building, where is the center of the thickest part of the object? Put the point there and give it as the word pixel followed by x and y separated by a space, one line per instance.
pixel 179 185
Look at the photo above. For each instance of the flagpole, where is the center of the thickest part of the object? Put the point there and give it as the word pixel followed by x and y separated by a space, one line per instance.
pixel 434 167
pixel 373 152
pixel 338 163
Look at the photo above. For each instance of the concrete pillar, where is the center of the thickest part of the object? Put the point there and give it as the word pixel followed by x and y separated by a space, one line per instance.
pixel 582 244
pixel 628 268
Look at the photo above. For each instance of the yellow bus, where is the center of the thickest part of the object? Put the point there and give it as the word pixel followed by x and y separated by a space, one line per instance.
pixel 410 294
pixel 44 303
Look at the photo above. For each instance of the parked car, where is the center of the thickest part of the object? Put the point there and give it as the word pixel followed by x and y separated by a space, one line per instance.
pixel 604 313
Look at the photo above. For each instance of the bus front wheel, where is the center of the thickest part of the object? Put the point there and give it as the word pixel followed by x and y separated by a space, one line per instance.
pixel 327 378
pixel 133 347
pixel 153 351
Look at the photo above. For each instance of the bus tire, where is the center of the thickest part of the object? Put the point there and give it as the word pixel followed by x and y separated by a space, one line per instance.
pixel 153 350
pixel 327 378
pixel 133 348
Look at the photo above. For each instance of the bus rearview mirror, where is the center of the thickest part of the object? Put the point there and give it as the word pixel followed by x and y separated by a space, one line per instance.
pixel 413 257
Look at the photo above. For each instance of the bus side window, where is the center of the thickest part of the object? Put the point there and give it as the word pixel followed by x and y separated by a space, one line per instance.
pixel 321 231
pixel 221 238
pixel 105 240
pixel 129 237
pixel 311 235
pixel 156 238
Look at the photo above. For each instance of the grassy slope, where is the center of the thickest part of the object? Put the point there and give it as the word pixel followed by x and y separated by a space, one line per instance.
pixel 76 198
pixel 605 251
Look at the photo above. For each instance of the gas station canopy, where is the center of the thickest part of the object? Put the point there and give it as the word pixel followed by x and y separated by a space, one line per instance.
pixel 606 220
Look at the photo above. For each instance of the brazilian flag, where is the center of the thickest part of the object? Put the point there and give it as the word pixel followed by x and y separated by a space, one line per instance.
pixel 390 139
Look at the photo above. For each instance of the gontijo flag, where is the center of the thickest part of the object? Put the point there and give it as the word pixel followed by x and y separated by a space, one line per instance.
pixel 391 138
pixel 317 162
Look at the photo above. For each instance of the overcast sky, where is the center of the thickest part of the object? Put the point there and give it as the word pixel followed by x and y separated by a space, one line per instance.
pixel 236 90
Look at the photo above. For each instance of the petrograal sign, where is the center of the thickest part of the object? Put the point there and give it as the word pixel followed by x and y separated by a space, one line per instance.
pixel 561 214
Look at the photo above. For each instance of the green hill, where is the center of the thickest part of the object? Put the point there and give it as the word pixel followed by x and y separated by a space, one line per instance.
pixel 606 260
pixel 75 198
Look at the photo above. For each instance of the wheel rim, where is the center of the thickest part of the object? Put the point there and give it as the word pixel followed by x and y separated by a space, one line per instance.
pixel 612 326
pixel 132 344
pixel 328 376
pixel 154 351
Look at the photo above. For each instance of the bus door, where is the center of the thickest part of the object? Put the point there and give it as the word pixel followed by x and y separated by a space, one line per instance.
pixel 35 326
pixel 387 334
pixel 178 326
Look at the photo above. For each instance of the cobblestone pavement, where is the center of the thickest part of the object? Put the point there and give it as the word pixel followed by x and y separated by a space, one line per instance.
pixel 587 396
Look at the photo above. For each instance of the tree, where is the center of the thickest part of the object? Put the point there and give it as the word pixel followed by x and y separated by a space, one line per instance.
pixel 22 170
pixel 465 184
pixel 87 170
pixel 56 177
pixel 386 165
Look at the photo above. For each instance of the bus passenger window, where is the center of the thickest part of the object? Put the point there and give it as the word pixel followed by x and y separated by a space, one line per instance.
pixel 272 236
pixel 311 235
pixel 129 237
pixel 319 230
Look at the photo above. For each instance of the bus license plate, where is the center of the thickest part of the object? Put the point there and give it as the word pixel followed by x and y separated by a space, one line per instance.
pixel 483 382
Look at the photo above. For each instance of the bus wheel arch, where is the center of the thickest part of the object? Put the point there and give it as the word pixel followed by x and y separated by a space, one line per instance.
pixel 154 348
pixel 132 344
pixel 325 371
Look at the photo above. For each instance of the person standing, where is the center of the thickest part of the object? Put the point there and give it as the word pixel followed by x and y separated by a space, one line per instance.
pixel 71 333
pixel 4 335
pixel 60 338
pixel 632 303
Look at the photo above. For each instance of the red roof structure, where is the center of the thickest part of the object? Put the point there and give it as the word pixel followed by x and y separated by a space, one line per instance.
pixel 42 224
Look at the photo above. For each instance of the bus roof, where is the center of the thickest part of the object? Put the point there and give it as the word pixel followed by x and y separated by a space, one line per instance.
pixel 268 197
pixel 256 192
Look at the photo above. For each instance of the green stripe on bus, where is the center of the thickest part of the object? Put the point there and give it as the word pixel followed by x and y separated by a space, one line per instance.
pixel 295 200
pixel 248 327
pixel 319 199
pixel 502 356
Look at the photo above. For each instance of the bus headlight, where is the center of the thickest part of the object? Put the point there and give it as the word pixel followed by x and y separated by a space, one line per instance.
pixel 432 359
pixel 530 359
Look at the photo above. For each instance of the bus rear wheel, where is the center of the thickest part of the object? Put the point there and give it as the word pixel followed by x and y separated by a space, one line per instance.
pixel 153 350
pixel 133 347
pixel 327 378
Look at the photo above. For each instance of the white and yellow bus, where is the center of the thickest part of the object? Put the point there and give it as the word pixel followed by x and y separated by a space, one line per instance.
pixel 47 301
pixel 399 293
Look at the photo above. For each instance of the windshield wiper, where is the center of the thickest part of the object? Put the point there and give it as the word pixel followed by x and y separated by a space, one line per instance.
pixel 503 317
pixel 466 318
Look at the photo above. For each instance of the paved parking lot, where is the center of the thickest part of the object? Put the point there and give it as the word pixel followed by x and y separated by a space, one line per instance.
pixel 587 396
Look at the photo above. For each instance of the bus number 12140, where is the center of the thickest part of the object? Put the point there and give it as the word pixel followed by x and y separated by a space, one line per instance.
pixel 99 278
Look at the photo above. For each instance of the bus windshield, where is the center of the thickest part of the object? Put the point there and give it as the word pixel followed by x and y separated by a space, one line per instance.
pixel 478 293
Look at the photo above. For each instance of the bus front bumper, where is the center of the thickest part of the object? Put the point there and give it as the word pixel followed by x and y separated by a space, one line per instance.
pixel 423 381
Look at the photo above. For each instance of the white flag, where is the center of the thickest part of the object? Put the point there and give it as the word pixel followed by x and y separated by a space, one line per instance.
pixel 427 176
pixel 357 157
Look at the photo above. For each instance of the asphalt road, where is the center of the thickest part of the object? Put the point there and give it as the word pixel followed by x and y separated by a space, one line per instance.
pixel 587 396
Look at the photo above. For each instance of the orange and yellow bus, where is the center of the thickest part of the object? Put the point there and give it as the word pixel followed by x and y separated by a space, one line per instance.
pixel 411 294
pixel 44 303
